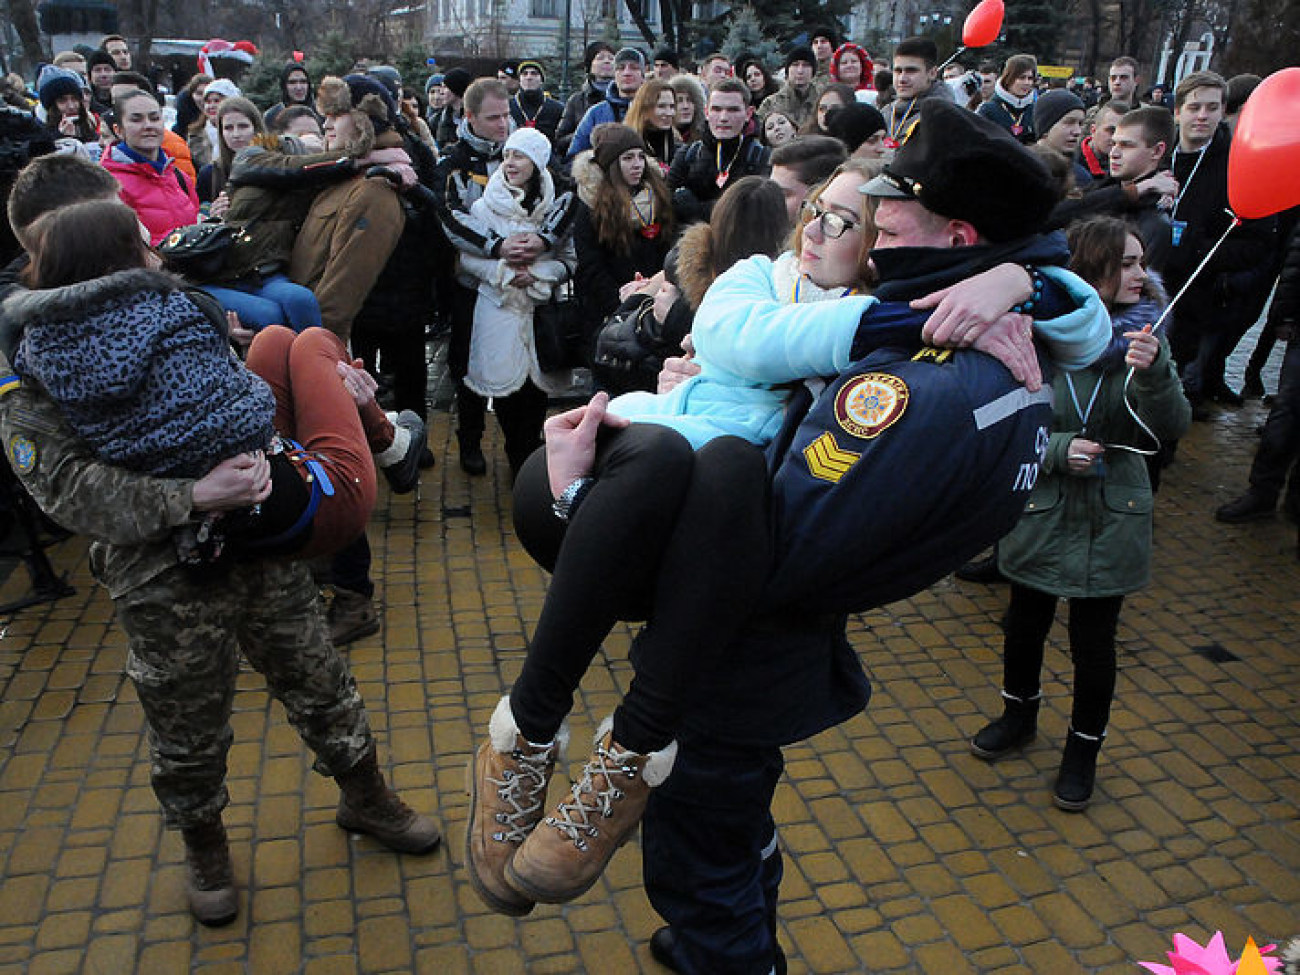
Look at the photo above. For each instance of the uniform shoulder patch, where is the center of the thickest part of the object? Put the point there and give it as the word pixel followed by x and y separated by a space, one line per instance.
pixel 931 354
pixel 827 460
pixel 870 404
pixel 22 454
pixel 8 383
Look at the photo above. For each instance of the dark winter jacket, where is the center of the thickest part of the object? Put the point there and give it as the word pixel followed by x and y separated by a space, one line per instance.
pixel 574 109
pixel 613 108
pixel 1018 121
pixel 1285 311
pixel 883 483
pixel 445 125
pixel 693 176
pixel 1228 286
pixel 1114 198
pixel 536 110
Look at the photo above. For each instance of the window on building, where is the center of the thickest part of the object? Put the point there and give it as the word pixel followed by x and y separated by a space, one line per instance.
pixel 543 8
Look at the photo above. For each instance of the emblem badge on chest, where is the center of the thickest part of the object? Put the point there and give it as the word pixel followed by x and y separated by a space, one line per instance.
pixel 868 405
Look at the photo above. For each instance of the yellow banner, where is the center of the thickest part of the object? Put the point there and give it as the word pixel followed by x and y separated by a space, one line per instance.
pixel 1055 71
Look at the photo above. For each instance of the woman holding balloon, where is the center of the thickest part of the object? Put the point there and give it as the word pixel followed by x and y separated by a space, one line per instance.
pixel 1086 532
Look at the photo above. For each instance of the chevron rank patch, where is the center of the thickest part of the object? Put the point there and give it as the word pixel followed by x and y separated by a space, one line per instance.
pixel 868 405
pixel 827 460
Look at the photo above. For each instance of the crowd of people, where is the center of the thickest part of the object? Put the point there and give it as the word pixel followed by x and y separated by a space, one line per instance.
pixel 796 280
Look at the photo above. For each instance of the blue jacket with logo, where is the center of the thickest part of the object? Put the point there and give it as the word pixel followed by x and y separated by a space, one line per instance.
pixel 904 466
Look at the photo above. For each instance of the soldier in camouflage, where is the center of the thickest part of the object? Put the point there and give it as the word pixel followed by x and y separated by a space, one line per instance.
pixel 187 627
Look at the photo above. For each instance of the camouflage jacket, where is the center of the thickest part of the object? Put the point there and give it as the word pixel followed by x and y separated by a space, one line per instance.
pixel 130 518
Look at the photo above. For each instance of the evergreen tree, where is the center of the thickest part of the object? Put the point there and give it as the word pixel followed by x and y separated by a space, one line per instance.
pixel 413 64
pixel 261 82
pixel 746 37
pixel 786 21
pixel 334 55
pixel 1035 27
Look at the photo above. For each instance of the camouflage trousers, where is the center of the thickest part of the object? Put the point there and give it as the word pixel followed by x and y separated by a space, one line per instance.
pixel 185 638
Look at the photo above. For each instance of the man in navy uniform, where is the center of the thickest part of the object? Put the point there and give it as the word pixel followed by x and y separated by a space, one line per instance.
pixel 907 463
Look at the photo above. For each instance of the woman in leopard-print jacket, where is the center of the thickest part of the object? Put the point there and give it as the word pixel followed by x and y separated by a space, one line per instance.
pixel 143 371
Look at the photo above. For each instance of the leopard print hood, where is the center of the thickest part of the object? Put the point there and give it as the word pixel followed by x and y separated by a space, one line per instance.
pixel 141 372
pixel 87 297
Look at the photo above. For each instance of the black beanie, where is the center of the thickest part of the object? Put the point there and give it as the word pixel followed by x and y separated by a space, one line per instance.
pixel 97 58
pixel 457 80
pixel 594 48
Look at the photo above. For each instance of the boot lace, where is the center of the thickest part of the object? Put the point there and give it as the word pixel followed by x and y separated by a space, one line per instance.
pixel 523 789
pixel 209 862
pixel 574 816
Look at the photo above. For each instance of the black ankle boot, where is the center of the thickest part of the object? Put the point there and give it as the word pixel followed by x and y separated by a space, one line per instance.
pixel 1078 771
pixel 472 461
pixel 1015 729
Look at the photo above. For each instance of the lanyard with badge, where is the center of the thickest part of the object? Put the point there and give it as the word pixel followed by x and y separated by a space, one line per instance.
pixel 1177 226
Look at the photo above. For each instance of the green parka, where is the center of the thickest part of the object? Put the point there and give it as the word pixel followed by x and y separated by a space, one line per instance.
pixel 1091 536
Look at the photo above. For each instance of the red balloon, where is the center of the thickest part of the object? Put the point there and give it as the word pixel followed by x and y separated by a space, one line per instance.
pixel 1264 161
pixel 983 24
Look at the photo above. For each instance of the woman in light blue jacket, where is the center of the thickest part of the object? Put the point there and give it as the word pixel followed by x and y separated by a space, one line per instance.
pixel 763 326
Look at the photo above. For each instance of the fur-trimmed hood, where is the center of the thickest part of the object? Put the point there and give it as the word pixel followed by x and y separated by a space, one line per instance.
pixel 587 176
pixel 75 301
pixel 694 267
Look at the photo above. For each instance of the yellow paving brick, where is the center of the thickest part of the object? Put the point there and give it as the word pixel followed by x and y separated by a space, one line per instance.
pixel 942 958
pixel 56 962
pixel 63 930
pixel 966 922
pixel 21 899
pixel 330 965
pixel 111 953
pixel 880 951
pixel 164 957
pixel 275 948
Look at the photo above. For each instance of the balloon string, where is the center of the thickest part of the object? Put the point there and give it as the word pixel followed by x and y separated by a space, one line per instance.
pixel 1236 222
pixel 955 55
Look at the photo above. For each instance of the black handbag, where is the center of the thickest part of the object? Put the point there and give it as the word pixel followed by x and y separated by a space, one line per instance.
pixel 198 252
pixel 557 331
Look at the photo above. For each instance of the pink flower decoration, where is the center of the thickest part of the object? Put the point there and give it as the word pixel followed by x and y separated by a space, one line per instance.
pixel 1189 958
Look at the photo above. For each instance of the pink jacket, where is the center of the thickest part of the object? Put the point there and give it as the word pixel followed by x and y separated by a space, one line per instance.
pixel 157 198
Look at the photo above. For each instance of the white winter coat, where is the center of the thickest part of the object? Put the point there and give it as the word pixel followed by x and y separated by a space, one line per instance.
pixel 501 352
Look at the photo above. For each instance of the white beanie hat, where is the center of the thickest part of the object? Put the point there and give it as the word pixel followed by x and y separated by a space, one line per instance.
pixel 223 86
pixel 532 144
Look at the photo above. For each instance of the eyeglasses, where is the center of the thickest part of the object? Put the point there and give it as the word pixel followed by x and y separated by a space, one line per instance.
pixel 832 225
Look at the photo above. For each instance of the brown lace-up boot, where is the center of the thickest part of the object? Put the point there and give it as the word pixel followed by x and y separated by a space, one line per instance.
pixel 569 850
pixel 367 805
pixel 507 781
pixel 210 883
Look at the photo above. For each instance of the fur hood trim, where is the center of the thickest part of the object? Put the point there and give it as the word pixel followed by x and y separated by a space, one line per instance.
pixel 334 97
pixel 695 263
pixel 587 175
pixel 77 300
pixel 503 730
pixel 658 765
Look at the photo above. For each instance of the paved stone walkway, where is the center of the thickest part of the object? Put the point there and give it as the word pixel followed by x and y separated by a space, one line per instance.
pixel 905 854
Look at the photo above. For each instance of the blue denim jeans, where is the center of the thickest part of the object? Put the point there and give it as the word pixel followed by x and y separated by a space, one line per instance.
pixel 278 301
